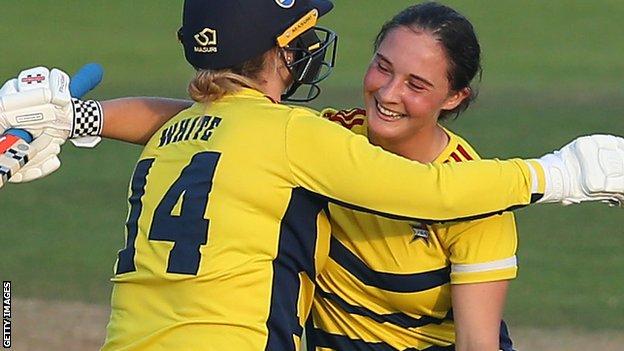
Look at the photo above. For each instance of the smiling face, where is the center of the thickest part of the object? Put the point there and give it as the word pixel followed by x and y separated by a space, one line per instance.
pixel 406 86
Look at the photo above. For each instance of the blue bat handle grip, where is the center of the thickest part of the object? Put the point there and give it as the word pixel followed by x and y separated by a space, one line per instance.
pixel 20 133
pixel 87 78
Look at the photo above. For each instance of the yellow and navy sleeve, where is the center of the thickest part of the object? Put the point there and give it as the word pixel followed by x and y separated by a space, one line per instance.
pixel 317 150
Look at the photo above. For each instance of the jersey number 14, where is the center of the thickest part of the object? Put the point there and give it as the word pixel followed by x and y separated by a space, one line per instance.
pixel 188 230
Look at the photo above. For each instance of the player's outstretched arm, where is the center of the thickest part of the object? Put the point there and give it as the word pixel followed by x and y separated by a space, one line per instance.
pixel 135 120
pixel 589 169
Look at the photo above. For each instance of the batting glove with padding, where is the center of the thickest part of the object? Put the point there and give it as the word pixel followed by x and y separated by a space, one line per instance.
pixel 39 101
pixel 590 168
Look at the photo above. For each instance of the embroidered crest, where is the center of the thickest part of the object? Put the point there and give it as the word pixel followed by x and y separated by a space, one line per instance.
pixel 419 231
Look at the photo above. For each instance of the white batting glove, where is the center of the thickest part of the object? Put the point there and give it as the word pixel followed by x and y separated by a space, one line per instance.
pixel 39 101
pixel 37 97
pixel 36 100
pixel 590 168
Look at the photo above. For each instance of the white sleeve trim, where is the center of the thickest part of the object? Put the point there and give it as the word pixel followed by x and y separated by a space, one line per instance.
pixel 510 262
pixel 534 180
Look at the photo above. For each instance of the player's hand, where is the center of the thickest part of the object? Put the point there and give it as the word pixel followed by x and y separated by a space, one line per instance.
pixel 45 161
pixel 590 168
pixel 39 101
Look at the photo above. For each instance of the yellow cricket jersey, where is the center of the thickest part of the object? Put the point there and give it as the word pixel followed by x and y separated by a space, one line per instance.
pixel 227 223
pixel 386 285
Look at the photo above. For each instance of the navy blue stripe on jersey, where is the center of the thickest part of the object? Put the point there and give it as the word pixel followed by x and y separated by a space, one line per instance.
pixel 534 198
pixel 401 283
pixel 297 246
pixel 309 333
pixel 339 342
pixel 400 319
pixel 344 343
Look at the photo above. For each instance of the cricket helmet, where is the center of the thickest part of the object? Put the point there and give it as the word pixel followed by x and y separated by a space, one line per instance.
pixel 220 34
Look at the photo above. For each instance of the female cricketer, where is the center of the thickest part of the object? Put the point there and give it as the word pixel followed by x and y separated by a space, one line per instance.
pixel 391 285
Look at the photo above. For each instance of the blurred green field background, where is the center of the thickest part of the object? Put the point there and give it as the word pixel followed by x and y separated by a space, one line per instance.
pixel 552 70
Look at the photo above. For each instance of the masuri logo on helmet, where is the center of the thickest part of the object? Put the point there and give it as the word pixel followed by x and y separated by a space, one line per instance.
pixel 207 39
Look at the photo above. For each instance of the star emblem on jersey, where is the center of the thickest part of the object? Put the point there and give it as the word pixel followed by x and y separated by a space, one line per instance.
pixel 420 232
pixel 30 79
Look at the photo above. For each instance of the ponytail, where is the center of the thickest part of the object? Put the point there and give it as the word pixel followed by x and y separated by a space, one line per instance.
pixel 210 85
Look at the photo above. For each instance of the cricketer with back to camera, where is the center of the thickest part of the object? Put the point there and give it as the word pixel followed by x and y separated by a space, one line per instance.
pixel 185 185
